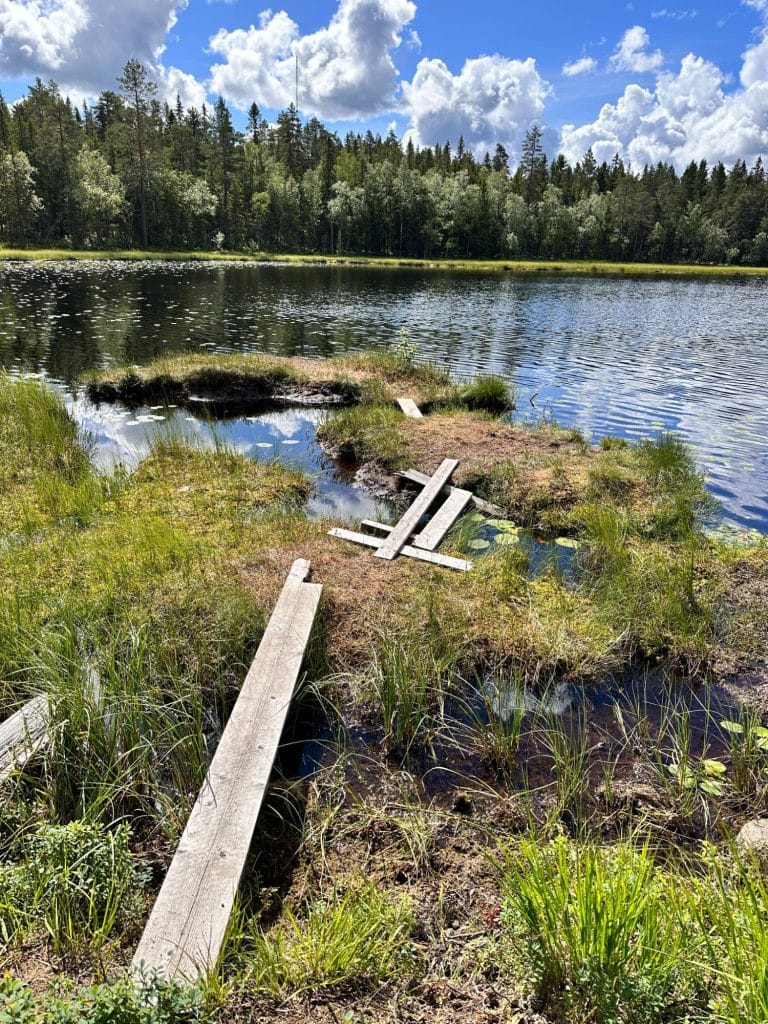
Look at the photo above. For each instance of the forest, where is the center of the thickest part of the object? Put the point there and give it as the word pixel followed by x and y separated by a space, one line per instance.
pixel 132 171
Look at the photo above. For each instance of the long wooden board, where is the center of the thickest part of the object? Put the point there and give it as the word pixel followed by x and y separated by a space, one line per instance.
pixel 22 735
pixel 443 519
pixel 410 408
pixel 399 537
pixel 186 929
pixel 415 477
pixel 446 561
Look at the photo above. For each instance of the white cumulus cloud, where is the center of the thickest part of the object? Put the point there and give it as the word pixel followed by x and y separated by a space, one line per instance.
pixel 83 44
pixel 632 53
pixel 687 116
pixel 492 99
pixel 582 66
pixel 346 69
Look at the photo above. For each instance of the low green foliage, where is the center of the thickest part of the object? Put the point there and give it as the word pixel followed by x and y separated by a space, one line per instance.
pixel 358 936
pixel 79 880
pixel 147 1000
pixel 366 433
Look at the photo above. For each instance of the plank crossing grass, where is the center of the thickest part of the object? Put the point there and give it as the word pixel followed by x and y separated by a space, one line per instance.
pixel 22 735
pixel 186 930
pixel 441 522
pixel 415 477
pixel 393 544
pixel 410 408
pixel 446 561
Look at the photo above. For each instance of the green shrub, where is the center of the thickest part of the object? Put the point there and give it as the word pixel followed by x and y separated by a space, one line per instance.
pixel 79 879
pixel 147 1000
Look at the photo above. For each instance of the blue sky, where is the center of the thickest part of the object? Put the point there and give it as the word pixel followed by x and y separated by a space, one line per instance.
pixel 649 79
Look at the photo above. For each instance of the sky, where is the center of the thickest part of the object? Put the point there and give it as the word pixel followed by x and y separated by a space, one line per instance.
pixel 645 80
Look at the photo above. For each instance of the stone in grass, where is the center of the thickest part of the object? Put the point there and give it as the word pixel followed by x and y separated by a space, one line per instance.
pixel 752 839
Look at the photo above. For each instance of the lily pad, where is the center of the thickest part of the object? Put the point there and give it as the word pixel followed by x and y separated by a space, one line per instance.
pixel 713 767
pixel 567 542
pixel 506 540
pixel 503 525
pixel 479 545
pixel 476 517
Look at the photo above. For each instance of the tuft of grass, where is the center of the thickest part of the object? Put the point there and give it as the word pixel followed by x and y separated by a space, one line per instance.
pixel 366 433
pixel 601 933
pixel 359 936
pixel 489 393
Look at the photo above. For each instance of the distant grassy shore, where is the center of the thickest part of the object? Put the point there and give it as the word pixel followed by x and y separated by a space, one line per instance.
pixel 477 266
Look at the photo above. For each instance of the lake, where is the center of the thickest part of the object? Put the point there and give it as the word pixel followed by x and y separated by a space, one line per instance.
pixel 611 355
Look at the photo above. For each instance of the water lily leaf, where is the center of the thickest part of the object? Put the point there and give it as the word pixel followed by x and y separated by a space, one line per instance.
pixel 505 525
pixel 476 517
pixel 506 539
pixel 735 728
pixel 263 444
pixel 567 542
pixel 713 767
pixel 289 442
pixel 712 787
pixel 479 545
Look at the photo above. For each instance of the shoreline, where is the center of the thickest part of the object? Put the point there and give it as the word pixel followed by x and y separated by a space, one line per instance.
pixel 596 268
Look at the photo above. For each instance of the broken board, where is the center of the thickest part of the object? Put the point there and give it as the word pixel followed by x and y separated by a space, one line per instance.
pixel 22 735
pixel 398 538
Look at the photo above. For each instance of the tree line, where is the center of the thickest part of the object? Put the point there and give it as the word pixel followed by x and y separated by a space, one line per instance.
pixel 130 171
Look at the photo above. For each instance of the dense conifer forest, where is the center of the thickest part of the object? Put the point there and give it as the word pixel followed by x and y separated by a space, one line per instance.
pixel 132 171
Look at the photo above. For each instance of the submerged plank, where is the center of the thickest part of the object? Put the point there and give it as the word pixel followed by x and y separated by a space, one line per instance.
pixel 186 929
pixel 446 561
pixel 443 519
pixel 399 537
pixel 415 477
pixel 22 735
pixel 410 408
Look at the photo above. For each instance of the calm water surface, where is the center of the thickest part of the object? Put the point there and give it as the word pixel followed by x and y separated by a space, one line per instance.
pixel 627 356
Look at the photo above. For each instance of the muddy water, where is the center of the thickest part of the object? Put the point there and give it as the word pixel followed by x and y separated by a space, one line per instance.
pixel 610 355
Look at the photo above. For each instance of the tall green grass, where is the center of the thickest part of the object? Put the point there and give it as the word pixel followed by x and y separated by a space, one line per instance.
pixel 360 935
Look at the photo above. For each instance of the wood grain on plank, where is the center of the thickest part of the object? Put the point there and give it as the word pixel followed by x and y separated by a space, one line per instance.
pixel 399 536
pixel 186 929
pixel 410 408
pixel 443 519
pixel 446 561
pixel 22 735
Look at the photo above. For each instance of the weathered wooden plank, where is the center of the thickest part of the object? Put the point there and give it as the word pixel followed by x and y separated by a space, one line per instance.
pixel 415 477
pixel 186 929
pixel 394 542
pixel 410 408
pixel 443 519
pixel 22 735
pixel 446 561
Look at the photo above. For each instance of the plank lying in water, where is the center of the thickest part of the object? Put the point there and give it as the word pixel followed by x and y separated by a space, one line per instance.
pixel 22 735
pixel 185 932
pixel 415 477
pixel 443 519
pixel 419 553
pixel 410 520
pixel 410 408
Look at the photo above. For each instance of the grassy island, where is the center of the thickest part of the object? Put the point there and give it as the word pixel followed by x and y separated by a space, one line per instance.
pixel 530 777
pixel 599 268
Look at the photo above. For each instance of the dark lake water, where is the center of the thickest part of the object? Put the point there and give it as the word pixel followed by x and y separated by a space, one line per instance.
pixel 626 356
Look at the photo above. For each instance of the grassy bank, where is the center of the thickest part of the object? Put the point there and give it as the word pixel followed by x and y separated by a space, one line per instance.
pixel 464 851
pixel 564 267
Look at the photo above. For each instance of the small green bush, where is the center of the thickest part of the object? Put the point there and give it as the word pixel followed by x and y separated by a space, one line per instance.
pixel 79 879
pixel 147 1000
